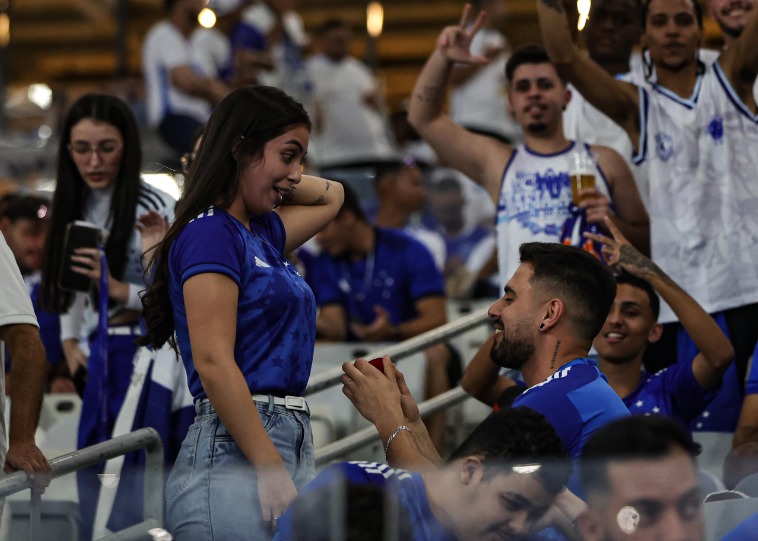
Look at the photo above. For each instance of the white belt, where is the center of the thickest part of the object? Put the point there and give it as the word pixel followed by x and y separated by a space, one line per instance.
pixel 290 402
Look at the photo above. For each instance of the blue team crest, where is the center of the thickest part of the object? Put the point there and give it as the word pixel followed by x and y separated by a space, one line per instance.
pixel 664 146
pixel 716 129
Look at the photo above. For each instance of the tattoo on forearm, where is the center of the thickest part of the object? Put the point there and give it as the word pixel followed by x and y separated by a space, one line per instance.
pixel 328 184
pixel 430 94
pixel 555 5
pixel 320 201
pixel 629 255
pixel 555 355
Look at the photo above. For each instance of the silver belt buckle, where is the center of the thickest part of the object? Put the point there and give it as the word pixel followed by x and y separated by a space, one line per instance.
pixel 295 403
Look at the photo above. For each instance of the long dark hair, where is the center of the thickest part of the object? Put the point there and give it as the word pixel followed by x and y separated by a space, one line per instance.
pixel 71 194
pixel 238 130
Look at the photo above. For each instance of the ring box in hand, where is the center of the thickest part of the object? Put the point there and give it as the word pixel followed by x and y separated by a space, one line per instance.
pixel 79 234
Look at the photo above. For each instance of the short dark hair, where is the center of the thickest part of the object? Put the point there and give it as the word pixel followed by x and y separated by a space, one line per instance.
pixel 518 436
pixel 637 437
pixel 695 5
pixel 528 54
pixel 585 284
pixel 352 203
pixel 16 207
pixel 644 285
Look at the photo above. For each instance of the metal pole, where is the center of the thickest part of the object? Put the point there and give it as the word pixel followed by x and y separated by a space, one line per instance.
pixel 405 349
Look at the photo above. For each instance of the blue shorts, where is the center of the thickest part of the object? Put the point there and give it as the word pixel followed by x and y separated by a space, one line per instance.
pixel 212 491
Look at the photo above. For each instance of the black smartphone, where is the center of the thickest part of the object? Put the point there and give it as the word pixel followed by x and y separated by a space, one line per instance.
pixel 79 234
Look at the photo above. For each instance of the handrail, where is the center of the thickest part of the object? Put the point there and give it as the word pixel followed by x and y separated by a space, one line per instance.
pixel 146 438
pixel 405 349
pixel 334 450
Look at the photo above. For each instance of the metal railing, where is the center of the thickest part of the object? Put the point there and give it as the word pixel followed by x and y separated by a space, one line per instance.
pixel 329 378
pixel 144 438
pixel 407 348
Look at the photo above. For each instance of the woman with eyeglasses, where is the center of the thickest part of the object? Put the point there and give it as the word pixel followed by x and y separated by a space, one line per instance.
pixel 244 320
pixel 98 180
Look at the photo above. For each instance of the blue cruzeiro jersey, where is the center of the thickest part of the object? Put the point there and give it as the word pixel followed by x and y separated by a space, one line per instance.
pixel 276 313
pixel 673 392
pixel 410 489
pixel 577 400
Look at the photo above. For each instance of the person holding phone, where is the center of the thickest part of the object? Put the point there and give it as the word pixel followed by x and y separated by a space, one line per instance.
pixel 243 319
pixel 98 181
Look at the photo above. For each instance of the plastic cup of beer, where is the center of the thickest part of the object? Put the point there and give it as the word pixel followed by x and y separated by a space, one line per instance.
pixel 581 172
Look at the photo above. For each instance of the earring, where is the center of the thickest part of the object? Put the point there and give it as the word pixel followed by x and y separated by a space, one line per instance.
pixel 542 326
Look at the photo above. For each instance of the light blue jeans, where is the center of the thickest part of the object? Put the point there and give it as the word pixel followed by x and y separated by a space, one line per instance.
pixel 212 491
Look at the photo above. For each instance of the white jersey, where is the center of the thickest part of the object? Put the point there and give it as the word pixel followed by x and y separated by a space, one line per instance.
pixel 481 102
pixel 582 121
pixel 702 157
pixel 164 49
pixel 213 52
pixel 534 202
pixel 15 308
pixel 352 131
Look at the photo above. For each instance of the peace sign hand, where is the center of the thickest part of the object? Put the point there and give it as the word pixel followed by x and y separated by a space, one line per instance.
pixel 455 41
pixel 619 252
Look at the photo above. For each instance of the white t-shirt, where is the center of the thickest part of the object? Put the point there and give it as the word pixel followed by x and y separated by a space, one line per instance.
pixel 15 307
pixel 213 51
pixel 481 102
pixel 166 48
pixel 702 162
pixel 352 131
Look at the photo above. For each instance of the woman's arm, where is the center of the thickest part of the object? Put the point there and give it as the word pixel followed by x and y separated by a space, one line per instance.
pixel 211 304
pixel 314 202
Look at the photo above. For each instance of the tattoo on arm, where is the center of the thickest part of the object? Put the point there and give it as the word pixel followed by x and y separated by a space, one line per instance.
pixel 431 94
pixel 555 355
pixel 556 5
pixel 328 184
pixel 320 201
pixel 630 255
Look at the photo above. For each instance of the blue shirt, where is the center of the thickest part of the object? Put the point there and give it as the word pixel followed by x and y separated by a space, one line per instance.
pixel 576 400
pixel 673 392
pixel 751 386
pixel 276 313
pixel 410 489
pixel 399 272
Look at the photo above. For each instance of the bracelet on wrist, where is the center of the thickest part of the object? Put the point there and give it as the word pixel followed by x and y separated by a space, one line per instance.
pixel 392 437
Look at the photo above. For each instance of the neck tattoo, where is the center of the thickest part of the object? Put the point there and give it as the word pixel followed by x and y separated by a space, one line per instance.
pixel 555 355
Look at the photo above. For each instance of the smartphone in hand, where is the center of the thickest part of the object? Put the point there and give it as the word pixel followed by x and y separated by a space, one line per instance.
pixel 79 234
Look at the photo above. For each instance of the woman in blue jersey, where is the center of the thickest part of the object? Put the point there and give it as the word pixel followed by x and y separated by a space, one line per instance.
pixel 241 316
pixel 98 181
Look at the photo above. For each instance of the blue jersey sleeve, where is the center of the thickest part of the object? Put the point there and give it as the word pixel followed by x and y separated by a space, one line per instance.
pixel 210 243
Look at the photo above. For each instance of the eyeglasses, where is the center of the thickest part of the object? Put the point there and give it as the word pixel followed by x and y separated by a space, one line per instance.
pixel 85 150
pixel 186 161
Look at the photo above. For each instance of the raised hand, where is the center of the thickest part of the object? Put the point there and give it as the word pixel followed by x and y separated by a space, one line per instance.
pixel 455 41
pixel 619 252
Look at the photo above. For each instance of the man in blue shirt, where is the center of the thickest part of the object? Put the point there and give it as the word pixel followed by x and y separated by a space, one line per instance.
pixel 491 488
pixel 554 305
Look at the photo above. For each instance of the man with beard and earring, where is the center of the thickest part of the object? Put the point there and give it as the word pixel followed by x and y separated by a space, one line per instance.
pixel 553 307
